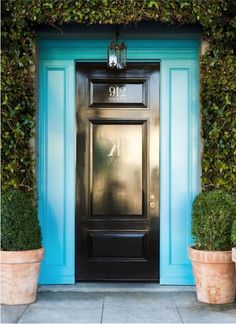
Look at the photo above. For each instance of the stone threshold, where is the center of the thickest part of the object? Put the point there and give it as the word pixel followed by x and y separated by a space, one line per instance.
pixel 114 287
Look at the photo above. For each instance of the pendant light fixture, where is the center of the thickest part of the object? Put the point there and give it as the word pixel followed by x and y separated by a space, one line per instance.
pixel 117 53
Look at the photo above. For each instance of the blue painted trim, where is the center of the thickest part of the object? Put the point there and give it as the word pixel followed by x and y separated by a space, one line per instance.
pixel 57 152
pixel 179 59
pixel 94 50
pixel 163 45
pixel 179 167
pixel 57 279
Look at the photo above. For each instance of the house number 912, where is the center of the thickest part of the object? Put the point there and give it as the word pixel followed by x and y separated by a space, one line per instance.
pixel 117 92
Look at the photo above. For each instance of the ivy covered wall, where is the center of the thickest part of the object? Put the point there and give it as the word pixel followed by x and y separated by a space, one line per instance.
pixel 218 74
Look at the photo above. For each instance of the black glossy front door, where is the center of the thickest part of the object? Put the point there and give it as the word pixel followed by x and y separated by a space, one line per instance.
pixel 117 213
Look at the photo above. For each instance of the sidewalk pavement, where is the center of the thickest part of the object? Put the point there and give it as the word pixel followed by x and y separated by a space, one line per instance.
pixel 118 307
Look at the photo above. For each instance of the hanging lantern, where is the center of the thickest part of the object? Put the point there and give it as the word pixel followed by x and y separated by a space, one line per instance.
pixel 117 53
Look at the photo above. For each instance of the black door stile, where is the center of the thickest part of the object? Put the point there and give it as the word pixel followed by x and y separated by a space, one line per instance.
pixel 117 203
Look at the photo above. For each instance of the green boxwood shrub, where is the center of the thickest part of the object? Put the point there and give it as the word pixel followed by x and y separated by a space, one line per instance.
pixel 213 216
pixel 233 233
pixel 20 228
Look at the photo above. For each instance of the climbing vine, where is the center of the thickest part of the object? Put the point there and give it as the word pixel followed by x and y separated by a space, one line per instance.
pixel 218 74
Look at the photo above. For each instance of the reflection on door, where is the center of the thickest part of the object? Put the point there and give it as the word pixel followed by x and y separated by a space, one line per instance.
pixel 117 170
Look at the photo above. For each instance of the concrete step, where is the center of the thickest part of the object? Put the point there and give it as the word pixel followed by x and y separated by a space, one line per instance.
pixel 114 287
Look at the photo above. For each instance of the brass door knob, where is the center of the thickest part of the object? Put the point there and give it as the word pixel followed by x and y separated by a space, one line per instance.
pixel 152 204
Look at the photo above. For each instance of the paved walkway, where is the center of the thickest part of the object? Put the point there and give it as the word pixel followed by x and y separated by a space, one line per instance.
pixel 118 307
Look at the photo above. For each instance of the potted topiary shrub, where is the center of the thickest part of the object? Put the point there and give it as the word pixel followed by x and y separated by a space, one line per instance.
pixel 21 250
pixel 233 239
pixel 211 256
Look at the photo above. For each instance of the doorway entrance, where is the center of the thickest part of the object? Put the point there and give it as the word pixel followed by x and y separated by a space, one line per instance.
pixel 117 208
pixel 130 117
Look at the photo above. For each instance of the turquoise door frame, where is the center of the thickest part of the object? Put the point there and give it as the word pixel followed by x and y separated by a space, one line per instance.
pixel 179 149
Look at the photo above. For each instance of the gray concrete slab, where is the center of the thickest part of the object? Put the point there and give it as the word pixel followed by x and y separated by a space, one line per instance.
pixel 140 308
pixel 208 314
pixel 61 315
pixel 118 307
pixel 65 307
pixel 11 314
pixel 185 299
pixel 193 311
pixel 67 299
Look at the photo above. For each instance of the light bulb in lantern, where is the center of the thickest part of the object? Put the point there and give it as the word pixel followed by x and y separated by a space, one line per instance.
pixel 112 60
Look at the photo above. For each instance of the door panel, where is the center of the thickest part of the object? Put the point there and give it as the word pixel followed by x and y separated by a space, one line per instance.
pixel 129 93
pixel 117 215
pixel 117 245
pixel 117 170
